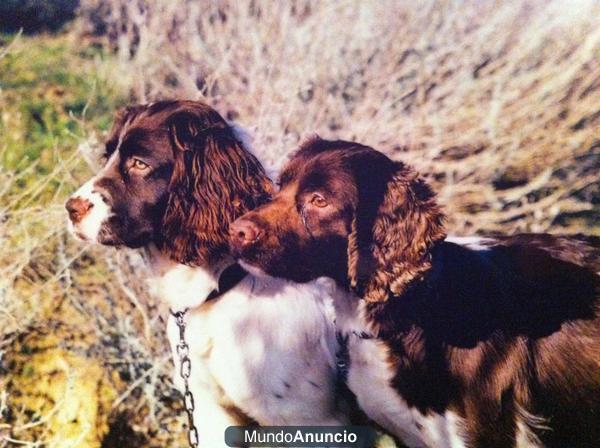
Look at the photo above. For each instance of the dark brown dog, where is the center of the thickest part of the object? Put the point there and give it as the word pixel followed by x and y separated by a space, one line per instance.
pixel 457 342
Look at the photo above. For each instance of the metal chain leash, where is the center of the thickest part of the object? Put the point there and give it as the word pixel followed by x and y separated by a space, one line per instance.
pixel 185 369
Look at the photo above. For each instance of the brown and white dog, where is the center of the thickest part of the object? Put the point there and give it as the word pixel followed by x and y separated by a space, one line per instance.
pixel 460 342
pixel 176 175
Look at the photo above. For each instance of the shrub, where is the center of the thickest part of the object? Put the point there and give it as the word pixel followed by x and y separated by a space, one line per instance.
pixel 34 16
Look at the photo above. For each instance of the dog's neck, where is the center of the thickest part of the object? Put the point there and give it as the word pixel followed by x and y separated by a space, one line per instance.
pixel 179 285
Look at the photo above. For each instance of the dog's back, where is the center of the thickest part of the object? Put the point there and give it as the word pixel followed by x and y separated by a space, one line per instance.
pixel 535 310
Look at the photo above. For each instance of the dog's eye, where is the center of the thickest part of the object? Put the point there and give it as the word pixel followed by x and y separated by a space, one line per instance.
pixel 318 201
pixel 139 165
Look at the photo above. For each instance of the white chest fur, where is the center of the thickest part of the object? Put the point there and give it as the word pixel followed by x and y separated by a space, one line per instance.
pixel 269 352
pixel 266 347
pixel 370 378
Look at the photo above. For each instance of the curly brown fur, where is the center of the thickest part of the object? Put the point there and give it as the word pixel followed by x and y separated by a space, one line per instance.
pixel 214 181
pixel 408 223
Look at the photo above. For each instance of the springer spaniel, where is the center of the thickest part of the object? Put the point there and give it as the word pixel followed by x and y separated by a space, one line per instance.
pixel 176 175
pixel 491 342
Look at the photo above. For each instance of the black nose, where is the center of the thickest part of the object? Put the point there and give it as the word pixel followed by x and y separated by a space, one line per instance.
pixel 243 232
pixel 78 208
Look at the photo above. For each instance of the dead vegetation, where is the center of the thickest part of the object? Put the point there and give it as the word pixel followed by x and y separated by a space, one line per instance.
pixel 496 102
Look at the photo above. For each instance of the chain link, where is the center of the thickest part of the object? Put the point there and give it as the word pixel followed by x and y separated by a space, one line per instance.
pixel 185 369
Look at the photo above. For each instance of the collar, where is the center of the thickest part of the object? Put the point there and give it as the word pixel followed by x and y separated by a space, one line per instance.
pixel 230 277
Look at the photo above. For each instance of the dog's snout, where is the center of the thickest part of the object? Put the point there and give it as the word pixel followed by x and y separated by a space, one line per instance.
pixel 243 232
pixel 78 208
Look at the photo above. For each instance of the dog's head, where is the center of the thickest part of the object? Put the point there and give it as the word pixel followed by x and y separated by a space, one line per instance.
pixel 345 211
pixel 175 175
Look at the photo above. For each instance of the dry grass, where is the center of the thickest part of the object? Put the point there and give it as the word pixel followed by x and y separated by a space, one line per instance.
pixel 498 103
pixel 473 93
pixel 81 342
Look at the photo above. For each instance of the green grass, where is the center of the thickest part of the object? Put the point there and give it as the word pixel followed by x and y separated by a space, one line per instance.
pixel 51 97
pixel 64 314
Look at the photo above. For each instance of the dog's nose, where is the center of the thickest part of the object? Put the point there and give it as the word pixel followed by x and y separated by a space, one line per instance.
pixel 243 232
pixel 78 208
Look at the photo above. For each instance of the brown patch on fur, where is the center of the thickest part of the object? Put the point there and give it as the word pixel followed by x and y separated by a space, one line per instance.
pixel 239 416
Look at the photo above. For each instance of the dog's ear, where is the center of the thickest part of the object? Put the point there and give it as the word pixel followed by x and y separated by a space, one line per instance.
pixel 214 181
pixel 390 245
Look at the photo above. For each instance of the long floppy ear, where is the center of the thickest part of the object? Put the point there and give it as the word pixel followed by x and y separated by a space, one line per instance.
pixel 214 181
pixel 406 225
